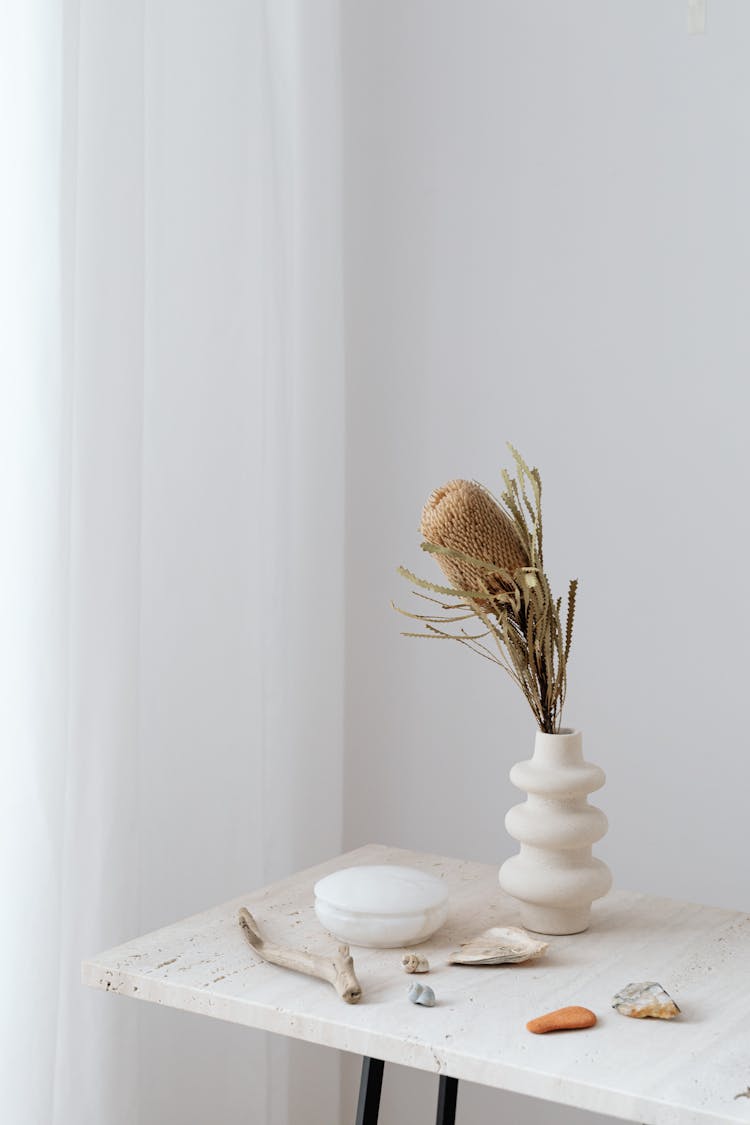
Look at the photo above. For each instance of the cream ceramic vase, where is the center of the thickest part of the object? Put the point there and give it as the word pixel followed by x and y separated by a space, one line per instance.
pixel 554 876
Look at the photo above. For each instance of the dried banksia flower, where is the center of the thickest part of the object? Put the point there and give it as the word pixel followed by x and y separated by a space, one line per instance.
pixel 492 556
pixel 464 517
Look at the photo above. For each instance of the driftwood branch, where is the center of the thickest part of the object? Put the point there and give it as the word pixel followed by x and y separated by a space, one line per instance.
pixel 337 969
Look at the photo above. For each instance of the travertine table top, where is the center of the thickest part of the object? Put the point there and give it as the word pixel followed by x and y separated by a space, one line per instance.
pixel 652 1071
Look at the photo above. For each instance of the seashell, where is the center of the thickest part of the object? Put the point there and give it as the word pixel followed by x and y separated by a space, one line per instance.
pixel 564 1019
pixel 645 998
pixel 422 994
pixel 501 945
pixel 415 963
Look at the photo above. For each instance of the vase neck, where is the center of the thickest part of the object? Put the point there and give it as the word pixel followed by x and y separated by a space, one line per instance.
pixel 562 749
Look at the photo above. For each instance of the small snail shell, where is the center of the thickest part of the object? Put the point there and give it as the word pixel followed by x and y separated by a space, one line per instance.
pixel 415 963
pixel 422 994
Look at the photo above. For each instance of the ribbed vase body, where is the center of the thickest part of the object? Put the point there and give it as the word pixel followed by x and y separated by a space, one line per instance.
pixel 554 875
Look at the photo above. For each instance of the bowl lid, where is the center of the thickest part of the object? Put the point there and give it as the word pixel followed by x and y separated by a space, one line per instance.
pixel 381 889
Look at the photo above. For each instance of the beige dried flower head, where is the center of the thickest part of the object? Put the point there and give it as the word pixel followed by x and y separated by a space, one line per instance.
pixel 463 516
pixel 492 555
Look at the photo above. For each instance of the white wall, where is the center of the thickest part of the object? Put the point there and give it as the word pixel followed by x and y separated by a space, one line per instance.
pixel 547 240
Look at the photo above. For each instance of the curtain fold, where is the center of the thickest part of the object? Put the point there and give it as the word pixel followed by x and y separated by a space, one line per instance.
pixel 172 500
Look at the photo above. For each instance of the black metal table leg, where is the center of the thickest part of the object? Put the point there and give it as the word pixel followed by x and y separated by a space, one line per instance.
pixel 447 1098
pixel 368 1106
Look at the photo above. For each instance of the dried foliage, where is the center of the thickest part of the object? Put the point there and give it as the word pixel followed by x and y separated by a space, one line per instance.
pixel 492 554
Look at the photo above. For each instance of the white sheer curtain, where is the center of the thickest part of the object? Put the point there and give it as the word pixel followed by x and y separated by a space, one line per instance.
pixel 172 495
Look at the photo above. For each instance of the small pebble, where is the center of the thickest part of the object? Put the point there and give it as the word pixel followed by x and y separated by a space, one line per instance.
pixel 415 963
pixel 645 999
pixel 422 994
pixel 564 1019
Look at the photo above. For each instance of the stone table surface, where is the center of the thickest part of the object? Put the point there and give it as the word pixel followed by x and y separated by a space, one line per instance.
pixel 659 1072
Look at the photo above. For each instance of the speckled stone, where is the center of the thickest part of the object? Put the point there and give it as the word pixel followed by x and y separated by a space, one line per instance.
pixel 645 1000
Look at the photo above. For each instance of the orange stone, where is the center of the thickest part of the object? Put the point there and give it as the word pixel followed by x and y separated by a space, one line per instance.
pixel 564 1019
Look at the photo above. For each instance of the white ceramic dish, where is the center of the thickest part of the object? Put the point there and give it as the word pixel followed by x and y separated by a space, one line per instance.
pixel 382 907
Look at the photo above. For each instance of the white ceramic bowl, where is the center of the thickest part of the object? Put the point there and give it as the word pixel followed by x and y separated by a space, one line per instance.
pixel 381 906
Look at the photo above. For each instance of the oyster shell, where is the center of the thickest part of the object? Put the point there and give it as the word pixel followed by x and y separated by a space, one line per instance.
pixel 645 998
pixel 500 945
